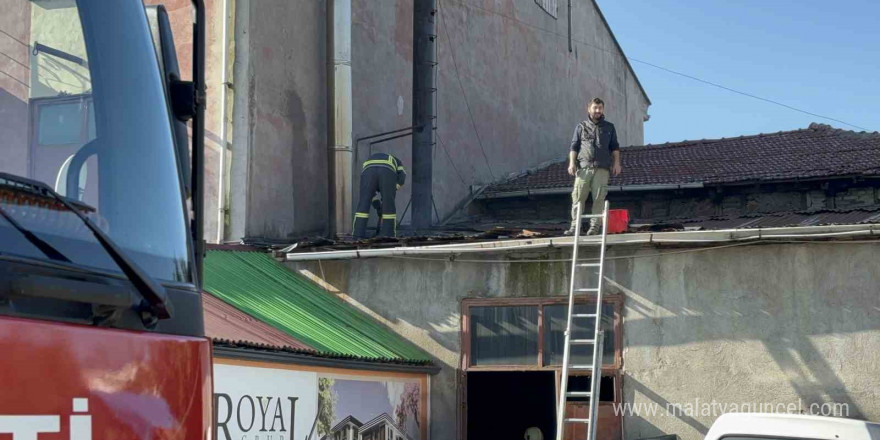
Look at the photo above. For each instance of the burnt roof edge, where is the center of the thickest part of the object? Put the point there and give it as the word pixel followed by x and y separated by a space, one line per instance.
pixel 567 190
pixel 633 238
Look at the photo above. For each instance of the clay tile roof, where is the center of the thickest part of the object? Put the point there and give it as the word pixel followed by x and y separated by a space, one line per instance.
pixel 814 152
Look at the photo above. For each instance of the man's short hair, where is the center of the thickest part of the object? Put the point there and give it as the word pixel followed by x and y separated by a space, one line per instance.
pixel 597 101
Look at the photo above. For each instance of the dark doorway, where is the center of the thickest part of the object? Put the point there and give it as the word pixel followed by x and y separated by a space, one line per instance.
pixel 502 405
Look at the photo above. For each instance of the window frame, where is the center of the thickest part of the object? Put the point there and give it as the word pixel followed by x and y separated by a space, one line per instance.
pixel 615 300
pixel 613 371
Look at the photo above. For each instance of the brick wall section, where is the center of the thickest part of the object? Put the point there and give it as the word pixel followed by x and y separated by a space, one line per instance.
pixel 855 197
pixel 818 200
pixel 774 202
pixel 662 205
pixel 692 207
pixel 731 205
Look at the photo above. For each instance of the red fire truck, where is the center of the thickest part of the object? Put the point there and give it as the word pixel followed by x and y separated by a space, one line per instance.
pixel 101 328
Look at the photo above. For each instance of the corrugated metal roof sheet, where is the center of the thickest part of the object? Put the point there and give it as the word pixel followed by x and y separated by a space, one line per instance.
pixel 224 322
pixel 260 286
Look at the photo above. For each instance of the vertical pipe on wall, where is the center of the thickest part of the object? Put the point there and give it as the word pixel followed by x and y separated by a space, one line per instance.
pixel 424 63
pixel 224 86
pixel 340 150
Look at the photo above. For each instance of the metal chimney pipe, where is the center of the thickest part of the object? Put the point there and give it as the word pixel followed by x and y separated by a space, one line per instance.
pixel 424 63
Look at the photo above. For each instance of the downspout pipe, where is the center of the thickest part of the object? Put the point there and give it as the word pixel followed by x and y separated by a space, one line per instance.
pixel 340 117
pixel 224 87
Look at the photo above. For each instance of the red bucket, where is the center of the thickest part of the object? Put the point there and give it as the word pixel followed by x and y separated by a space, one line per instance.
pixel 618 221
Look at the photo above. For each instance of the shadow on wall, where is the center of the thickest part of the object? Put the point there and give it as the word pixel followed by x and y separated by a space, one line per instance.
pixel 646 429
pixel 442 329
pixel 810 314
pixel 739 300
pixel 417 302
pixel 301 180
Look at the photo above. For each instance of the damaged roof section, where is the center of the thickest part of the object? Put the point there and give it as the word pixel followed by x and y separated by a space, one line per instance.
pixel 819 151
pixel 817 176
pixel 488 230
pixel 822 217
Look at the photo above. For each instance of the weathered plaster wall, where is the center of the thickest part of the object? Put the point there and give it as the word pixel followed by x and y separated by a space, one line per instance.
pixel 769 323
pixel 508 62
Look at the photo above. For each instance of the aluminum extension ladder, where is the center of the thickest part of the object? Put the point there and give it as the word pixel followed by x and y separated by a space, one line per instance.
pixel 597 342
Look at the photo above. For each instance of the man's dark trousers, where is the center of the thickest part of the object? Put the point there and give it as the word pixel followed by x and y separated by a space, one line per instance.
pixel 383 180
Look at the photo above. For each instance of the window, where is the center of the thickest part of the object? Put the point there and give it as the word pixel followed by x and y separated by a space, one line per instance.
pixel 504 335
pixel 582 328
pixel 505 341
pixel 529 332
pixel 61 124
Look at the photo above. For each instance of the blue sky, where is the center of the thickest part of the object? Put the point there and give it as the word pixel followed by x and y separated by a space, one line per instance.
pixel 822 57
pixel 362 399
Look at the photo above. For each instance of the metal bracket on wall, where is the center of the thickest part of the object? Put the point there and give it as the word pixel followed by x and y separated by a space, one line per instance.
pixel 379 135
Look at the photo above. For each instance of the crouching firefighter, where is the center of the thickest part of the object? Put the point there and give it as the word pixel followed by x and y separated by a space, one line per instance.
pixel 382 173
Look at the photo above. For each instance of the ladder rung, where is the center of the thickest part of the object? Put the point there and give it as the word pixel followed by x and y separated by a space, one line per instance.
pixel 583 315
pixel 587 421
pixel 582 341
pixel 578 394
pixel 593 216
pixel 587 289
pixel 588 265
pixel 581 367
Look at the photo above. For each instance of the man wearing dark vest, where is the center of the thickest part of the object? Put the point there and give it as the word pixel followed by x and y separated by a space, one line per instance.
pixel 382 173
pixel 594 154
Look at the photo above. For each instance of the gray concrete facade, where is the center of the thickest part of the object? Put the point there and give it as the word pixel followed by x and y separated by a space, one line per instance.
pixel 278 177
pixel 506 64
pixel 792 323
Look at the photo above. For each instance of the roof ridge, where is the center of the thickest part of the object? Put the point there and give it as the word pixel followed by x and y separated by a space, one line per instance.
pixel 686 143
pixel 526 172
pixel 814 126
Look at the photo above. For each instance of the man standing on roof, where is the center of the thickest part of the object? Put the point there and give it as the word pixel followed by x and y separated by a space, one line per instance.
pixel 594 153
pixel 384 174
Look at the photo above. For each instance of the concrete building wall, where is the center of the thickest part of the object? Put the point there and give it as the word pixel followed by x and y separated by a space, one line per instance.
pixel 508 62
pixel 382 78
pixel 508 65
pixel 288 168
pixel 276 114
pixel 280 120
pixel 772 323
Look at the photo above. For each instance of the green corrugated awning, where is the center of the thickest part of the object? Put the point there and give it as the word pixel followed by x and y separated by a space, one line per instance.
pixel 260 286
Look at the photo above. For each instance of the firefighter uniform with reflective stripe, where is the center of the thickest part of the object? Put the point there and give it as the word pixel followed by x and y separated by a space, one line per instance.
pixel 382 173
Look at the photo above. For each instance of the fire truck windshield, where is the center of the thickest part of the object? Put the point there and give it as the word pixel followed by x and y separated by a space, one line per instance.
pixel 83 110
